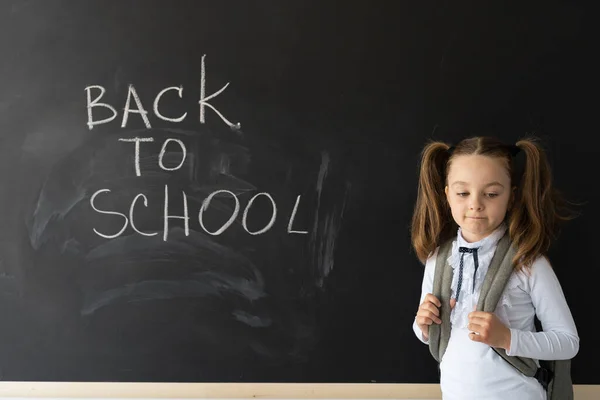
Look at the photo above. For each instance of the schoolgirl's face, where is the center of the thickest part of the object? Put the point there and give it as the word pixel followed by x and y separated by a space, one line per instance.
pixel 478 191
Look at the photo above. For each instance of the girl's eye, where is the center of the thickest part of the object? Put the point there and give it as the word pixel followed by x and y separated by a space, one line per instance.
pixel 492 195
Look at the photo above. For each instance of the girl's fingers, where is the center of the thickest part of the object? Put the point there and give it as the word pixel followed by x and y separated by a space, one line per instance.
pixel 427 315
pixel 430 307
pixel 432 299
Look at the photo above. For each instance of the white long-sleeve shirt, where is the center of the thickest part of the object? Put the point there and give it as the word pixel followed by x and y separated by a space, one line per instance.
pixel 473 370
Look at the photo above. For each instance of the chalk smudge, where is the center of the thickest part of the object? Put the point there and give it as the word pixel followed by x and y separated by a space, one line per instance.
pixel 188 266
pixel 252 320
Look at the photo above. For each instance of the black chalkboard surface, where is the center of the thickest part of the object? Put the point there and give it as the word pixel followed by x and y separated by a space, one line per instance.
pixel 200 191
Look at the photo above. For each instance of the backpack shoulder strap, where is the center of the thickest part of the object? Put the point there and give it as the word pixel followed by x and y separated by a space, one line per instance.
pixel 499 272
pixel 442 282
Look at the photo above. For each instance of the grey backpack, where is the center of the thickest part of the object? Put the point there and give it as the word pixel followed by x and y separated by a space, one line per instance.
pixel 554 376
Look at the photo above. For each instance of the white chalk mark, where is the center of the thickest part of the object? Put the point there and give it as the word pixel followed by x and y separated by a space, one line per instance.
pixel 273 217
pixel 164 149
pixel 320 180
pixel 223 165
pixel 140 109
pixel 157 100
pixel 185 216
pixel 254 321
pixel 293 216
pixel 94 103
pixel 331 229
pixel 131 215
pixel 137 142
pixel 206 204
pixel 109 213
pixel 204 100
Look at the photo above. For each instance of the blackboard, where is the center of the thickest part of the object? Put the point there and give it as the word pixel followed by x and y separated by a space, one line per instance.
pixel 288 132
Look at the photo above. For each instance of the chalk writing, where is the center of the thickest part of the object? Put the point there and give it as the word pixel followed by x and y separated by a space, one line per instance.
pixel 139 108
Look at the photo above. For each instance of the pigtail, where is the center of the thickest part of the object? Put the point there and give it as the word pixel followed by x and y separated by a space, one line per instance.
pixel 539 207
pixel 431 216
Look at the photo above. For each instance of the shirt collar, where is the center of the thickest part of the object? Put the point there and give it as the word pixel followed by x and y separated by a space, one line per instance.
pixel 485 244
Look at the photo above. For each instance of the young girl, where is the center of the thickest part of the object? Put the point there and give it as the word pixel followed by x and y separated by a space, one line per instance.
pixel 474 193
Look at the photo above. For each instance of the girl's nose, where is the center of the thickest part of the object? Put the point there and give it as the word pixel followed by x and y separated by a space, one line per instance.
pixel 476 204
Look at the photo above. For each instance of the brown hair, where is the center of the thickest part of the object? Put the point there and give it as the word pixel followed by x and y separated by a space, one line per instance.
pixel 533 219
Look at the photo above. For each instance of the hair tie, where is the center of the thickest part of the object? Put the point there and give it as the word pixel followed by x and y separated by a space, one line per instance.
pixel 450 150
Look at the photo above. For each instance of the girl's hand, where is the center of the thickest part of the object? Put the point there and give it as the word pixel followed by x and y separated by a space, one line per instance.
pixel 429 313
pixel 486 328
